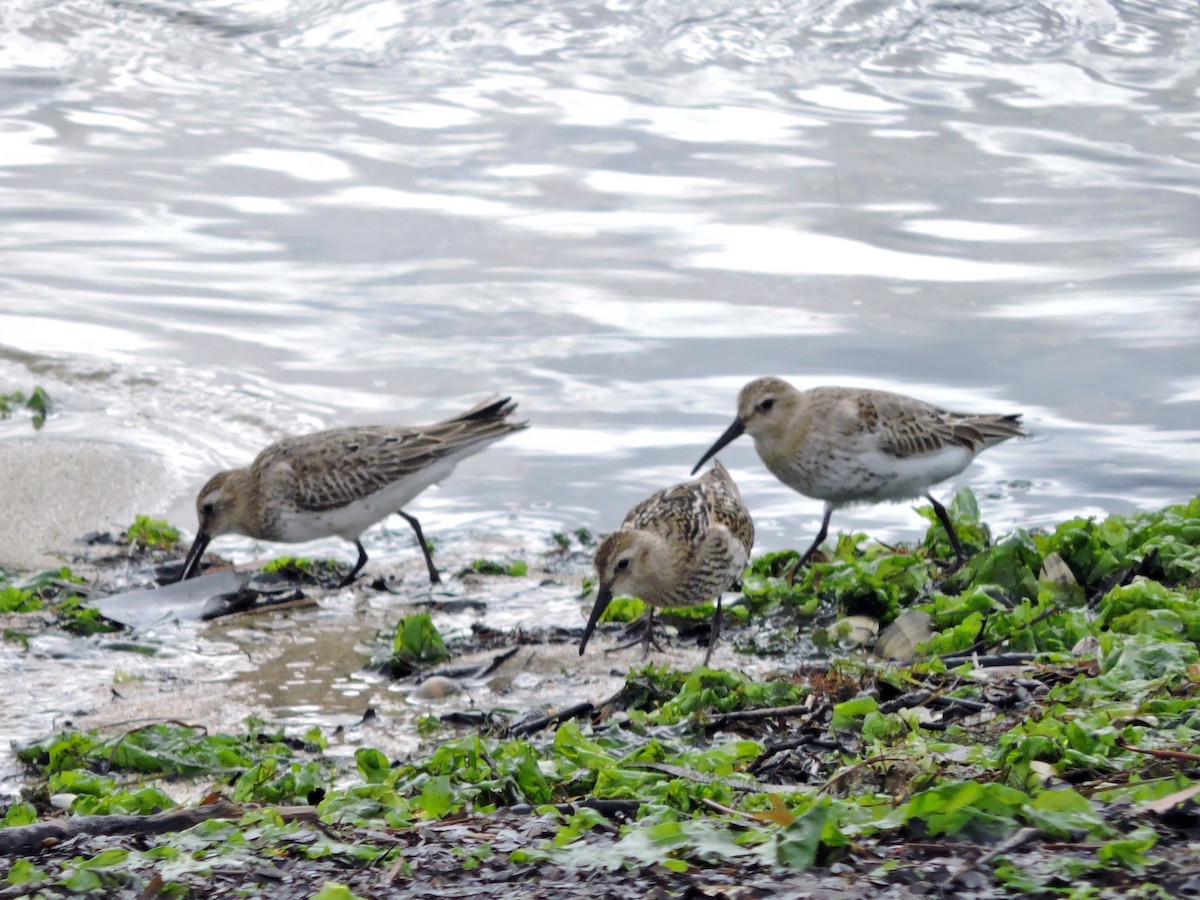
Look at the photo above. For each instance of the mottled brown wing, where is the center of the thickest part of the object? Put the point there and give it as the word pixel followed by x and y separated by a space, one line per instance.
pixel 728 509
pixel 334 468
pixel 908 427
pixel 680 511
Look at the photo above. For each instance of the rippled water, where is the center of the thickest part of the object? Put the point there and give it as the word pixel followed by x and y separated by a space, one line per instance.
pixel 226 221
pixel 273 215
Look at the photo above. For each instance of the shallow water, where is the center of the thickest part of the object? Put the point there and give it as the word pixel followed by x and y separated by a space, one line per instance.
pixel 227 221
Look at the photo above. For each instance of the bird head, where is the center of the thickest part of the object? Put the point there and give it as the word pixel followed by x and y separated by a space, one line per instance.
pixel 219 510
pixel 626 567
pixel 765 406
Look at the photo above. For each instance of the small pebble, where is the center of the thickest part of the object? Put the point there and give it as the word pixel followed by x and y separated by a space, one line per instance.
pixel 853 632
pixel 900 639
pixel 437 687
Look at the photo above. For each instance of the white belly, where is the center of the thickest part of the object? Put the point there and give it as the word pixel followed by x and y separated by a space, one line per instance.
pixel 873 476
pixel 353 519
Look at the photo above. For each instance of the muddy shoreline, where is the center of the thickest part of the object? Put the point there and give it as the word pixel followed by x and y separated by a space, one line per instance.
pixel 1038 746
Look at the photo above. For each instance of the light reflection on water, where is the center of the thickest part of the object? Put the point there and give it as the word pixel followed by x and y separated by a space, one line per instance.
pixel 229 220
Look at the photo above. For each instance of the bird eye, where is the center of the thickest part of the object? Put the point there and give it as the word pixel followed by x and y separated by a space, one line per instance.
pixel 623 565
pixel 766 404
pixel 207 509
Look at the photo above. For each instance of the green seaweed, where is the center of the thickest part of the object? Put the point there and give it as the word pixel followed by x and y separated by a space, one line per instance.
pixel 37 402
pixel 152 534
pixel 686 753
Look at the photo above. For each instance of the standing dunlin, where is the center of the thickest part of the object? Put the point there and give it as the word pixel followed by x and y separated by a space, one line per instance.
pixel 342 481
pixel 852 445
pixel 683 546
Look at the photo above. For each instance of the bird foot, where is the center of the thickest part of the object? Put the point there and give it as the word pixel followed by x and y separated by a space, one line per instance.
pixel 947 569
pixel 638 632
pixel 807 559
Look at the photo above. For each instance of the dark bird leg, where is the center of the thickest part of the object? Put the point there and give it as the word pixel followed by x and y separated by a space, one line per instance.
pixel 642 627
pixel 960 555
pixel 434 577
pixel 790 575
pixel 715 633
pixel 648 637
pixel 362 561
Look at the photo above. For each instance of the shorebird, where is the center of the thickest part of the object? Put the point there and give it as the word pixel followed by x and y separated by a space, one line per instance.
pixel 342 481
pixel 853 445
pixel 682 546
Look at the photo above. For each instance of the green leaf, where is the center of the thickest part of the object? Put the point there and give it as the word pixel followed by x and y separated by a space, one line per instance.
pixel 437 797
pixel 82 881
pixel 1129 852
pixel 153 534
pixel 417 641
pixel 1063 813
pixel 979 809
pixel 38 404
pixel 25 872
pixel 847 715
pixel 623 609
pixel 373 766
pixel 571 743
pixel 335 890
pixel 18 600
pixel 797 843
pixel 530 779
pixel 486 567
pixel 19 814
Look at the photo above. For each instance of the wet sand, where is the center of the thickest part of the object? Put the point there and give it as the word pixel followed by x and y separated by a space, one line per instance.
pixel 53 491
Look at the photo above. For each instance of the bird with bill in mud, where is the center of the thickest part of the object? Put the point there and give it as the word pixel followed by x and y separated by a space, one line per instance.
pixel 682 546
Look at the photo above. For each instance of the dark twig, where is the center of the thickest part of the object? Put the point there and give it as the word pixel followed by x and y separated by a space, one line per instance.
pixel 771 712
pixel 28 838
pixel 496 663
pixel 1162 754
pixel 773 750
pixel 905 701
pixel 973 705
pixel 535 725
pixel 472 671
pixel 815 741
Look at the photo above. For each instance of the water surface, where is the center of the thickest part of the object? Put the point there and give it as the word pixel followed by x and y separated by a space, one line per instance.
pixel 227 221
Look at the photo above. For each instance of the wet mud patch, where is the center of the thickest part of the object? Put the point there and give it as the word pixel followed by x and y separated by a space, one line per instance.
pixel 1039 740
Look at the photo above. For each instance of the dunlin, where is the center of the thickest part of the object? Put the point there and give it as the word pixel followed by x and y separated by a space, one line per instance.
pixel 340 482
pixel 683 546
pixel 851 445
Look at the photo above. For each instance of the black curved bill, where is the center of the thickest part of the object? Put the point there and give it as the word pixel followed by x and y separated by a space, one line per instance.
pixel 732 433
pixel 603 598
pixel 191 564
